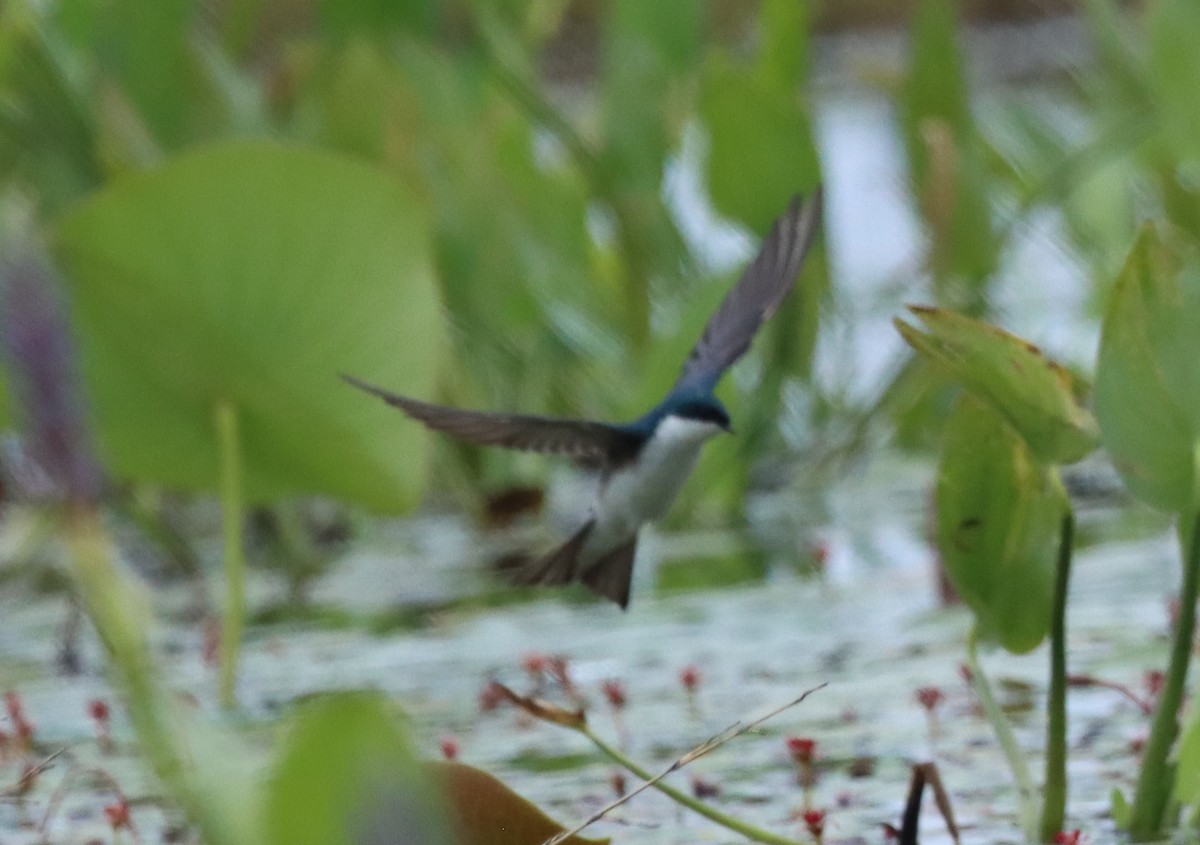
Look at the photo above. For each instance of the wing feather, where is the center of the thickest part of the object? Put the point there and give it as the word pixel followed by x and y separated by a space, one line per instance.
pixel 587 443
pixel 756 296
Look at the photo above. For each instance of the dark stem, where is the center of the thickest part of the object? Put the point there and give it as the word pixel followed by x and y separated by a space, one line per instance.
pixel 1054 791
pixel 1155 781
pixel 912 808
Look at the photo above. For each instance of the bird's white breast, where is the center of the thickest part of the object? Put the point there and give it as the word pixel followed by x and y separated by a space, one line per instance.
pixel 644 490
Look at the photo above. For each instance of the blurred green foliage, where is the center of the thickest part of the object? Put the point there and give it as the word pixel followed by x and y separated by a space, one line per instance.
pixel 549 231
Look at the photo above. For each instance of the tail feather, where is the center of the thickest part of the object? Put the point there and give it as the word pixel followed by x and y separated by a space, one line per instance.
pixel 555 568
pixel 612 574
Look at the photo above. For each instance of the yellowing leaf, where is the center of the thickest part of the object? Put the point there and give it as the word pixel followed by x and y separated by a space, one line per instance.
pixel 1035 395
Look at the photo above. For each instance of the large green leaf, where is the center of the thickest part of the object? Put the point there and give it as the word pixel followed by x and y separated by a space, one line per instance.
pixel 1146 391
pixel 345 776
pixel 760 144
pixel 761 147
pixel 998 513
pixel 253 274
pixel 650 51
pixel 1034 394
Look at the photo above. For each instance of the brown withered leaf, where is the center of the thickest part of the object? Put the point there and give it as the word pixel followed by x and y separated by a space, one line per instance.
pixel 541 709
pixel 486 812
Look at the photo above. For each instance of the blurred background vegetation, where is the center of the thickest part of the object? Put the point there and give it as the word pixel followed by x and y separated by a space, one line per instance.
pixel 535 205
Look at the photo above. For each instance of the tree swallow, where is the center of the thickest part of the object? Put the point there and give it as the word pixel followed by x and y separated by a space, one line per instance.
pixel 644 463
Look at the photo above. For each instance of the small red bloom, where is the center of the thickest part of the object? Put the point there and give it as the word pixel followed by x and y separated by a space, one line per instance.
pixel 930 697
pixel 98 710
pixel 802 749
pixel 1064 837
pixel 964 672
pixel 24 729
pixel 117 814
pixel 449 746
pixel 490 697
pixel 1153 682
pixel 614 691
pixel 814 820
pixel 210 641
pixel 535 663
pixel 14 705
pixel 617 781
pixel 690 677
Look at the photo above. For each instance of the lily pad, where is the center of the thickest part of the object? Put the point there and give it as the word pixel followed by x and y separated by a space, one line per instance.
pixel 252 274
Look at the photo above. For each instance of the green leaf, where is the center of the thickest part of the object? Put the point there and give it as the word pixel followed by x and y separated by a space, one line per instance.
pixel 784 33
pixel 1174 72
pixel 345 776
pixel 1035 395
pixel 253 273
pixel 650 50
pixel 936 86
pixel 760 144
pixel 1120 809
pixel 1146 372
pixel 342 18
pixel 998 512
pixel 47 137
pixel 1187 771
pixel 944 155
pixel 144 44
pixel 5 410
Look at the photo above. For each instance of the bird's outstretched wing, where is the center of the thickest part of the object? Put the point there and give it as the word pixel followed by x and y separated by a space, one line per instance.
pixel 589 444
pixel 755 297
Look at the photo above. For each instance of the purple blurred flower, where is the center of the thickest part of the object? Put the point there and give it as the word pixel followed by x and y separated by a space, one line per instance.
pixel 44 390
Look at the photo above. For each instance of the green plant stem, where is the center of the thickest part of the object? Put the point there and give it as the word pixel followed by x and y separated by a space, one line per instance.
pixel 1008 741
pixel 1156 778
pixel 1054 788
pixel 121 614
pixel 749 831
pixel 230 452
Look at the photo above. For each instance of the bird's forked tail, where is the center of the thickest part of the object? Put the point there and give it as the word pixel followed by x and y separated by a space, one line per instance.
pixel 609 576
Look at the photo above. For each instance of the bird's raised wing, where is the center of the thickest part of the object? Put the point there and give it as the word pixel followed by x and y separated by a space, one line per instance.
pixel 755 297
pixel 587 443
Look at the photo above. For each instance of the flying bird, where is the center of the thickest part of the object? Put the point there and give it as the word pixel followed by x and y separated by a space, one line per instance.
pixel 644 463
